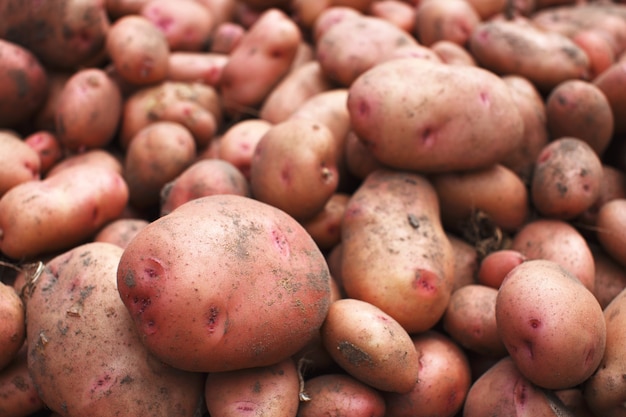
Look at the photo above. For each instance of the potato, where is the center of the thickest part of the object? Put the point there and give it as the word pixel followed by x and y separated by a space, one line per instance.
pixel 451 20
pixel 452 53
pixel 119 8
pixel 187 25
pixel 395 253
pixel 56 213
pixel 610 277
pixel 193 104
pixel 330 16
pixel 430 133
pixel 18 394
pixel 12 324
pixel 519 47
pixel 599 50
pixel 260 294
pixel 294 89
pixel 138 50
pixel 184 66
pixel 610 226
pixel 203 178
pixel 226 37
pixel 325 227
pixel 156 155
pixel 558 241
pixel 120 231
pixel 398 12
pixel 613 186
pixel 444 378
pixel 84 354
pixel 270 47
pixel 24 84
pixel 342 394
pixel 487 9
pixel 19 162
pixel 63 35
pixel 466 261
pixel 267 390
pixel 88 110
pixel 470 320
pixel 238 142
pixel 294 167
pixel 604 391
pixel 610 82
pixel 358 158
pixel 370 345
pixel 496 265
pixel 91 157
pixel 496 191
pixel 566 178
pixel 48 149
pixel 517 396
pixel 577 108
pixel 44 117
pixel 552 325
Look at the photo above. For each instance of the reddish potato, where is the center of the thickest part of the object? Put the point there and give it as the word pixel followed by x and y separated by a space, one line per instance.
pixel 398 12
pixel 43 119
pixel 120 231
pixel 370 345
pixel 325 227
pixel 19 162
pixel 17 390
pixel 450 20
pixel 12 324
pixel 196 67
pixel 226 37
pixel 610 276
pixel 92 157
pixel 599 49
pixel 268 390
pixel 610 227
pixel 260 294
pixel 359 160
pixel 452 53
pixel 119 8
pixel 466 259
pixel 239 141
pixel 611 82
pixel 552 326
pixel 48 148
pixel 496 265
pixel 88 110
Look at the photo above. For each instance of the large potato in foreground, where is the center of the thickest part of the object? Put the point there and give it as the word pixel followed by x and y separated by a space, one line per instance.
pixel 225 282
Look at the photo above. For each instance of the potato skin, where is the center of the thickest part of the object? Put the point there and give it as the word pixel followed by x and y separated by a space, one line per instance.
pixel 18 161
pixel 610 226
pixel 12 324
pixel 429 132
pixel 260 294
pixel 395 253
pixel 18 394
pixel 552 326
pixel 370 345
pixel 78 328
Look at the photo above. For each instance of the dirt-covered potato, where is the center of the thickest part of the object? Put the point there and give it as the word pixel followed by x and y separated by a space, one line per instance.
pixel 18 393
pixel 259 295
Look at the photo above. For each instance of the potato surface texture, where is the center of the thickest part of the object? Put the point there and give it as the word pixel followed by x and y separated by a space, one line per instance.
pixel 224 282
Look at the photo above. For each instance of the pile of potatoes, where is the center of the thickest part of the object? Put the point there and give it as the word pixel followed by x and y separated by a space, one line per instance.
pixel 297 208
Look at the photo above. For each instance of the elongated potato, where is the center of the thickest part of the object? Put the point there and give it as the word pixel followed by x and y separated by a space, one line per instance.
pixel 370 345
pixel 395 253
pixel 41 217
pixel 428 130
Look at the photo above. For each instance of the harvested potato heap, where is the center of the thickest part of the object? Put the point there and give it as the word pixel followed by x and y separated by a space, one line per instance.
pixel 300 208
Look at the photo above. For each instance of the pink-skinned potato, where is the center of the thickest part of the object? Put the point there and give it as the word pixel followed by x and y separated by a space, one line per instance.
pixel 259 295
pixel 12 324
pixel 18 393
pixel 18 161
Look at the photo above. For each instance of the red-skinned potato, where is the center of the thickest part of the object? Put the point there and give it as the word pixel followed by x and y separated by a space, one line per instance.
pixel 452 53
pixel 610 276
pixel 44 117
pixel 552 326
pixel 496 265
pixel 395 253
pixel 340 393
pixel 610 227
pixel 203 178
pixel 260 295
pixel 558 241
pixel 437 137
pixel 47 146
pixel 599 49
pixel 238 142
pixel 18 162
pixel 119 8
pixel 17 390
pixel 60 211
pixel 12 324
pixel 359 160
pixel 138 50
pixel 444 378
pixel 267 390
pixel 451 20
pixel 92 157
pixel 611 83
pixel 185 66
pixel 26 94
pixel 270 47
pixel 120 231
pixel 370 345
pixel 226 37
pixel 88 110
pixel 84 354
pixel 325 227
pixel 466 261
pixel 398 12
pixel 613 186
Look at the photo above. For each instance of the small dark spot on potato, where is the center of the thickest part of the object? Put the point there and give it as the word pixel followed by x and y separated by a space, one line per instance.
pixel 354 354
pixel 256 387
pixel 534 323
pixel 129 279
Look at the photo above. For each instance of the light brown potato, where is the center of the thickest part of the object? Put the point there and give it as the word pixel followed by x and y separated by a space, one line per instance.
pixel 436 137
pixel 294 167
pixel 496 191
pixel 84 354
pixel 60 211
pixel 325 227
pixel 24 87
pixel 88 110
pixel 604 391
pixel 559 241
pixel 184 66
pixel 17 390
pixel 444 378
pixel 48 148
pixel 610 227
pixel 552 326
pixel 566 178
pixel 451 20
pixel 120 231
pixel 466 261
pixel 18 162
pixel 187 24
pixel 156 155
pixel 496 265
pixel 138 50
pixel 12 324
pixel 395 253
pixel 370 345
pixel 267 390
pixel 343 394
pixel 238 142
pixel 270 47
pixel 470 320
pixel 203 178
pixel 577 108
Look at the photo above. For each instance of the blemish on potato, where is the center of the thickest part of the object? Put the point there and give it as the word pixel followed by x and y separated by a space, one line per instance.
pixel 212 318
pixel 354 355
